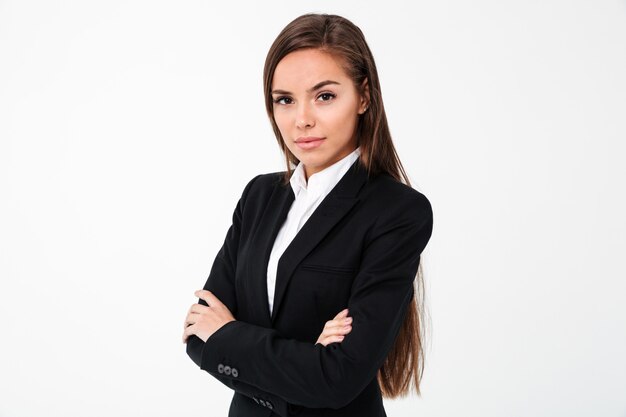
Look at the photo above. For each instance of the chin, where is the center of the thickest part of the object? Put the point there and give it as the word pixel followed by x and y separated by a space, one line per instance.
pixel 310 159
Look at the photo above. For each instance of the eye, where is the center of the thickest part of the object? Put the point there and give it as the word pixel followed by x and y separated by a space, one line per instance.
pixel 330 95
pixel 279 99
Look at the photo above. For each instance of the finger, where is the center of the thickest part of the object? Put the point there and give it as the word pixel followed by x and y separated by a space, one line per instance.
pixel 191 318
pixel 208 296
pixel 336 331
pixel 192 307
pixel 336 327
pixel 336 321
pixel 188 332
pixel 185 337
pixel 198 308
pixel 331 330
pixel 341 314
pixel 338 324
pixel 328 340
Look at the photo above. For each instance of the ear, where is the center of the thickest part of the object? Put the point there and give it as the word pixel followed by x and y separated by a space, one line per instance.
pixel 365 98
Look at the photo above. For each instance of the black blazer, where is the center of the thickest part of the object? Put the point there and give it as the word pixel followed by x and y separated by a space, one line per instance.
pixel 360 249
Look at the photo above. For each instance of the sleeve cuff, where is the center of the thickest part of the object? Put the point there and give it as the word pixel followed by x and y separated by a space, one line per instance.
pixel 211 359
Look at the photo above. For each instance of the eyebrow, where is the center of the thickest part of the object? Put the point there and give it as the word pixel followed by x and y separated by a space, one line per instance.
pixel 310 90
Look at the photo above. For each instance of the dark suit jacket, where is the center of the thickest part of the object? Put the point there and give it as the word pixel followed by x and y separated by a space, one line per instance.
pixel 360 249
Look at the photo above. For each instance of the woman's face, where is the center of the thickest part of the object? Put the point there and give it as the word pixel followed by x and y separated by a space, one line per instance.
pixel 316 108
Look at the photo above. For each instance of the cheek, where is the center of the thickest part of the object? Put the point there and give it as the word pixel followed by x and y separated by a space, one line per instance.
pixel 341 120
pixel 284 124
pixel 281 119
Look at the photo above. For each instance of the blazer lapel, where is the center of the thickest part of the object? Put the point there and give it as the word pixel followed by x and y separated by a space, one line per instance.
pixel 331 210
pixel 272 219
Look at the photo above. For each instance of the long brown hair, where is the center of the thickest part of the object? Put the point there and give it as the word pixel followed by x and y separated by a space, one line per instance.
pixel 341 38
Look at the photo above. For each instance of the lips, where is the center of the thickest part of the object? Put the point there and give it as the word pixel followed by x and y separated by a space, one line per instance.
pixel 310 142
pixel 307 139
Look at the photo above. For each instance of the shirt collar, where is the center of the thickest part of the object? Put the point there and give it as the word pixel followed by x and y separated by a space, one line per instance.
pixel 324 180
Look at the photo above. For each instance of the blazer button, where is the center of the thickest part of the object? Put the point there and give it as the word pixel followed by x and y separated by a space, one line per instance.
pixel 227 370
pixel 263 403
pixel 234 372
pixel 220 368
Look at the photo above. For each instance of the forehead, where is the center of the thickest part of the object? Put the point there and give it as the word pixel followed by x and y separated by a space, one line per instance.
pixel 303 68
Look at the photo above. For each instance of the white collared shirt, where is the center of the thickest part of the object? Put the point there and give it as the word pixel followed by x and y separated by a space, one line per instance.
pixel 307 198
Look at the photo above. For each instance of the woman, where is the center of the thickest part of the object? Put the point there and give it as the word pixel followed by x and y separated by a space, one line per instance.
pixel 310 307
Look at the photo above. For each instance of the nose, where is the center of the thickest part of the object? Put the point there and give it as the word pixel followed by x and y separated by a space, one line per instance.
pixel 304 117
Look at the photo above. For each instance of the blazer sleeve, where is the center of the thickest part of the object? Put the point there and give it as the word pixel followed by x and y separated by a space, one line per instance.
pixel 221 282
pixel 318 376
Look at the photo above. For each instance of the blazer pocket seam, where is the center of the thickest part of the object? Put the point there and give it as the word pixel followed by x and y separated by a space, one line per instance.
pixel 326 268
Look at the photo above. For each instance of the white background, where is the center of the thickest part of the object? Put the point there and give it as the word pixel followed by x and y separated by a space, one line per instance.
pixel 128 130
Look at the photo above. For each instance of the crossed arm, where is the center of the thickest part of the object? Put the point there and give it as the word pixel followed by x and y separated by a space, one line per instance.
pixel 292 373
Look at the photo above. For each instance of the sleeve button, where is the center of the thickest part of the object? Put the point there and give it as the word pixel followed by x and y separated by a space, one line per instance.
pixel 227 370
pixel 220 368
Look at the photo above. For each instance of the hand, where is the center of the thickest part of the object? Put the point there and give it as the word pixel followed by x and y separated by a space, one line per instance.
pixel 203 320
pixel 335 329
